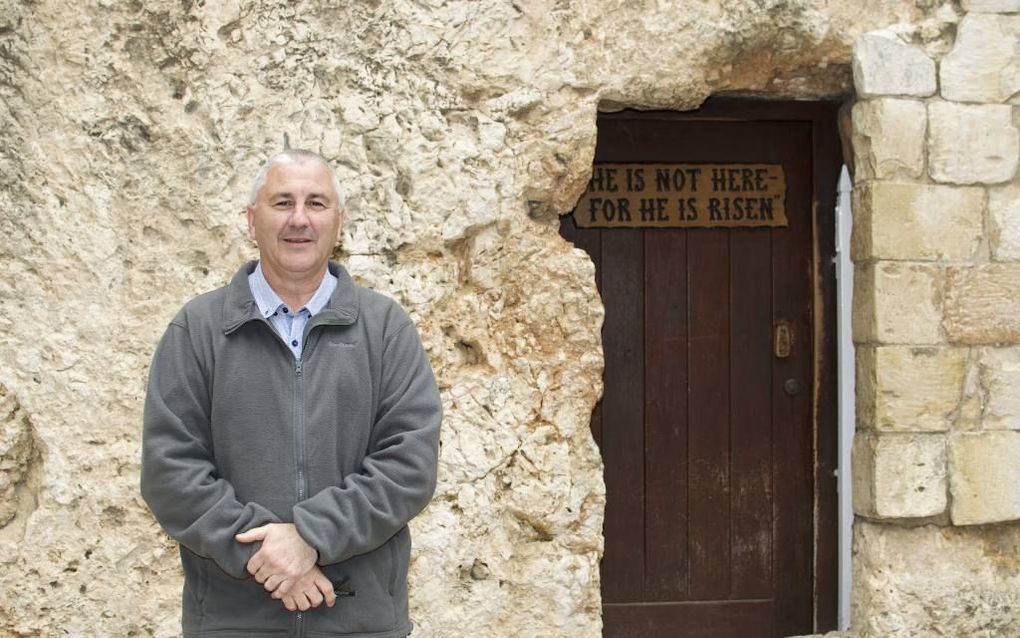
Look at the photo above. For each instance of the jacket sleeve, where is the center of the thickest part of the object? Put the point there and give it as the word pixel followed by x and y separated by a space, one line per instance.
pixel 179 479
pixel 398 476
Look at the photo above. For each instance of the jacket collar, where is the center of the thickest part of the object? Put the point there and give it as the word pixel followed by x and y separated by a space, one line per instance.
pixel 239 306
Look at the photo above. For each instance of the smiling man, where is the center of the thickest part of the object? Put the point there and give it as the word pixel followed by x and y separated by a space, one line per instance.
pixel 291 431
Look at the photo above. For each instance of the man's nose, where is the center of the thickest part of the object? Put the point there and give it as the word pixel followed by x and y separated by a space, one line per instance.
pixel 300 215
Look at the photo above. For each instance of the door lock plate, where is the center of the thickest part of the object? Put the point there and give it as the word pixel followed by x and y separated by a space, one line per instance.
pixel 783 341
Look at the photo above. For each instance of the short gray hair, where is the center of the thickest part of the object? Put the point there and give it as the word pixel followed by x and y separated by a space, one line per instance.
pixel 293 156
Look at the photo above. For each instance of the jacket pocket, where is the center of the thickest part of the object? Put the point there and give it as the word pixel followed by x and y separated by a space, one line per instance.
pixel 392 547
pixel 367 604
pixel 203 582
pixel 240 605
pixel 196 586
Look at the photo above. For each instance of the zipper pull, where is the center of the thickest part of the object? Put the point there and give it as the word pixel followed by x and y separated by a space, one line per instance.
pixel 342 589
pixel 297 368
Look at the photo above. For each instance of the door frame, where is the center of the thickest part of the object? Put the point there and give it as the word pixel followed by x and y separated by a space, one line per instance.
pixel 826 164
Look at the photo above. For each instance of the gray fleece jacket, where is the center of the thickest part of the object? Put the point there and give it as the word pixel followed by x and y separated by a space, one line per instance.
pixel 343 443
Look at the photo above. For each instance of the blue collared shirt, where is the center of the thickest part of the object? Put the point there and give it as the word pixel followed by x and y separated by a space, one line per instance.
pixel 287 322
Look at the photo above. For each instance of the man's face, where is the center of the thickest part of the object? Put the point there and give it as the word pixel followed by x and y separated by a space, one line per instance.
pixel 296 220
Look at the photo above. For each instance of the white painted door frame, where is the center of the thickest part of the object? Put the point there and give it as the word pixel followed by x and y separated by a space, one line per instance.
pixel 846 392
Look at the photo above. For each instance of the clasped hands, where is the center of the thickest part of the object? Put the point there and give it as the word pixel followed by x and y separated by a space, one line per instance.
pixel 285 566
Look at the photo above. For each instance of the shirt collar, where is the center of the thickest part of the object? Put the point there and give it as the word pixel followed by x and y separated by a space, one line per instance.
pixel 269 302
pixel 239 305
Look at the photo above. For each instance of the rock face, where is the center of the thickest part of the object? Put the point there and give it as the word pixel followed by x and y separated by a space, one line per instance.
pixel 20 454
pixel 460 129
pixel 936 581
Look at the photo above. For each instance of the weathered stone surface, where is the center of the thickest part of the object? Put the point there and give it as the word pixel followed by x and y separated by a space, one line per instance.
pixel 888 138
pixel 904 389
pixel 128 134
pixel 1004 216
pixel 972 144
pixel 897 302
pixel 935 581
pixel 916 221
pixel 886 65
pixel 18 453
pixel 984 470
pixel 992 6
pixel 984 65
pixel 999 382
pixel 899 475
pixel 983 304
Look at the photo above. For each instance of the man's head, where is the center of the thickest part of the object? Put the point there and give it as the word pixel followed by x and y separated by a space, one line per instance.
pixel 295 215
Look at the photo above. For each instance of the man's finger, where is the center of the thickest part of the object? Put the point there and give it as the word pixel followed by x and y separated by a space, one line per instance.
pixel 314 596
pixel 272 584
pixel 262 575
pixel 254 563
pixel 302 602
pixel 326 587
pixel 288 602
pixel 252 535
pixel 285 586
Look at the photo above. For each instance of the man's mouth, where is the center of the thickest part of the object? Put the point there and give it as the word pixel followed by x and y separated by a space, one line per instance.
pixel 297 240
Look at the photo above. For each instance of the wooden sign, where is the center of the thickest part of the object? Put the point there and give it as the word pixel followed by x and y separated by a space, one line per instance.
pixel 683 196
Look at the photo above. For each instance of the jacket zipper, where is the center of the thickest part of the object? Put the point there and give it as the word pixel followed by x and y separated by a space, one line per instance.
pixel 299 429
pixel 299 445
pixel 299 426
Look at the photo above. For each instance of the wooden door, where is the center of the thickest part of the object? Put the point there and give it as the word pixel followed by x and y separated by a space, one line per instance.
pixel 719 453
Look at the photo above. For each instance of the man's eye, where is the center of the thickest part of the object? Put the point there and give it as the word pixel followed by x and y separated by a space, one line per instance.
pixel 317 204
pixel 283 203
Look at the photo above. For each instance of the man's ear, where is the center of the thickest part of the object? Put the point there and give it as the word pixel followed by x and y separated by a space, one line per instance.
pixel 249 212
pixel 340 227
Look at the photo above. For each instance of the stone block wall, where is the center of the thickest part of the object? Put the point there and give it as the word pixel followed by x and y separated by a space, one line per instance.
pixel 936 459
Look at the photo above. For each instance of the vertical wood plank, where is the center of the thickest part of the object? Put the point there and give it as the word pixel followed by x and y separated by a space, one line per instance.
pixel 623 415
pixel 709 421
pixel 792 414
pixel 827 162
pixel 665 415
pixel 751 405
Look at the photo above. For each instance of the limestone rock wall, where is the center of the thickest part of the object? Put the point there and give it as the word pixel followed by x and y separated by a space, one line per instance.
pixel 937 326
pixel 128 133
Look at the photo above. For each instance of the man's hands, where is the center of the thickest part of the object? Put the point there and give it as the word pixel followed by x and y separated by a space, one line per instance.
pixel 283 560
pixel 311 590
pixel 285 566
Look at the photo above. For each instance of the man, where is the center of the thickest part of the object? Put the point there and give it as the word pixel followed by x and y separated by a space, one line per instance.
pixel 291 431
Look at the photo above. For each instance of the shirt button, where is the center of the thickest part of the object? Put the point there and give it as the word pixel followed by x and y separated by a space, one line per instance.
pixel 294 343
pixel 285 311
